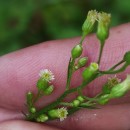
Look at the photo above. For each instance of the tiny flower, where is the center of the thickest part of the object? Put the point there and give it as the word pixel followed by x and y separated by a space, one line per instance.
pixel 103 26
pixel 112 81
pixel 62 113
pixel 104 18
pixel 46 75
pixel 89 22
pixel 120 89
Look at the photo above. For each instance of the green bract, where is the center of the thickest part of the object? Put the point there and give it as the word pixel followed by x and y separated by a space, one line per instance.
pixel 120 89
pixel 103 99
pixel 49 90
pixel 42 84
pixel 82 61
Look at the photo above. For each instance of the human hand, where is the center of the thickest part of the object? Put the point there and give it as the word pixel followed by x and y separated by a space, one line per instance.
pixel 18 74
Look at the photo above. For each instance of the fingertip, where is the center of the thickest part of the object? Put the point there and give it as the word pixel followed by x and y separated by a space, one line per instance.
pixel 20 125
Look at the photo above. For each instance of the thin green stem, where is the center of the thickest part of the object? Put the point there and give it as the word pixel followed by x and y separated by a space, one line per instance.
pixel 116 71
pixel 37 96
pixel 119 63
pixel 70 72
pixel 82 39
pixel 101 50
pixel 72 110
pixel 66 104
pixel 55 103
pixel 80 92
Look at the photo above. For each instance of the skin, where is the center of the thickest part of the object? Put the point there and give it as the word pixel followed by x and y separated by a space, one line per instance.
pixel 19 73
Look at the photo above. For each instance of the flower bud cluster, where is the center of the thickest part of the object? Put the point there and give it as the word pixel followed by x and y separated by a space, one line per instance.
pixel 46 76
pixel 116 91
pixel 113 88
pixel 78 101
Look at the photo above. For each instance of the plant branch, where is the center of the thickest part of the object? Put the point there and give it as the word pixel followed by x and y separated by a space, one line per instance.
pixel 100 53
pixel 116 71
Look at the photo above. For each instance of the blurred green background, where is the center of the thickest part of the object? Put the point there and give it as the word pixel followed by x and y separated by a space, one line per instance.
pixel 27 22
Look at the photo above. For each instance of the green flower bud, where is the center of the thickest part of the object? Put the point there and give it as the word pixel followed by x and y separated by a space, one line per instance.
pixel 60 113
pixel 103 26
pixel 103 99
pixel 53 113
pixel 90 71
pixel 80 98
pixel 127 57
pixel 49 90
pixel 42 84
pixel 76 51
pixel 89 22
pixel 82 61
pixel 42 118
pixel 29 98
pixel 33 110
pixel 121 89
pixel 76 103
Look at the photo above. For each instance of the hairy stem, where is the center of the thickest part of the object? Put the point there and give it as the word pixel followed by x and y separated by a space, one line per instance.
pixel 55 103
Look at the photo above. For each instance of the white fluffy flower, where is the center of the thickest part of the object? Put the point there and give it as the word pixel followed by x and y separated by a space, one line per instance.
pixel 46 75
pixel 62 113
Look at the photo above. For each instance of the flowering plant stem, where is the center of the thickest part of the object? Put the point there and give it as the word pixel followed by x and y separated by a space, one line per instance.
pixel 70 72
pixel 111 89
pixel 101 50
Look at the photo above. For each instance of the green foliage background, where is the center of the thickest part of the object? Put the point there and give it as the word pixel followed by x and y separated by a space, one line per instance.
pixel 27 22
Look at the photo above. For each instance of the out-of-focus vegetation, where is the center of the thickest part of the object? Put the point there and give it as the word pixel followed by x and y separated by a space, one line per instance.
pixel 27 22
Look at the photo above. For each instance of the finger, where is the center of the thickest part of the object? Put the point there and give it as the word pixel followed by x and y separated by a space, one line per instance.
pixel 114 117
pixel 22 67
pixel 20 125
pixel 19 70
